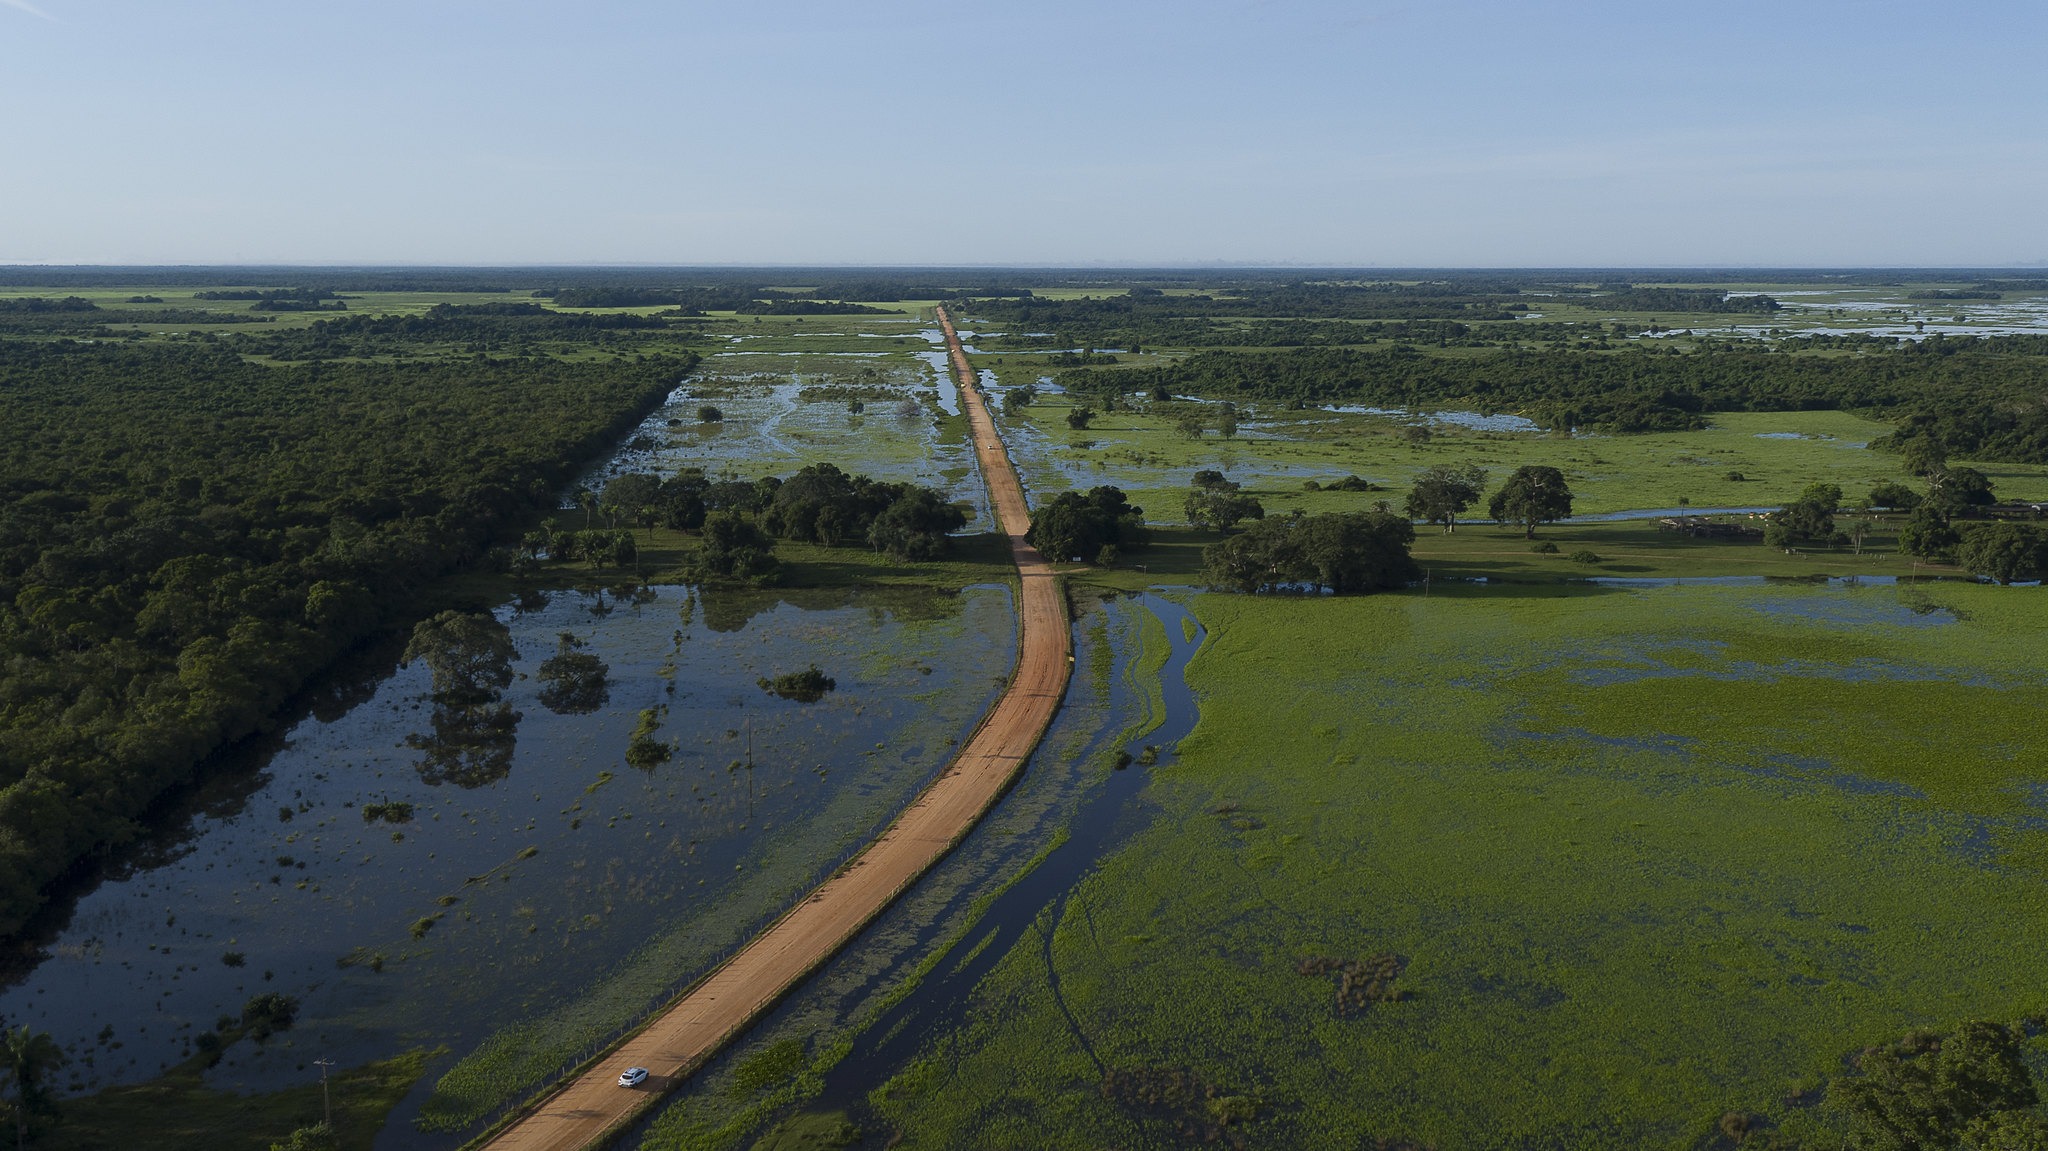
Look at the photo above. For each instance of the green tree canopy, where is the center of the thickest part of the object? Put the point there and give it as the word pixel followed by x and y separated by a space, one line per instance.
pixel 1345 553
pixel 1076 525
pixel 1441 491
pixel 2004 551
pixel 1533 494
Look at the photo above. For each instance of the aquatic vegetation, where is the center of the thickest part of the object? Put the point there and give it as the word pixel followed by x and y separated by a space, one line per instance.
pixel 806 686
pixel 1584 887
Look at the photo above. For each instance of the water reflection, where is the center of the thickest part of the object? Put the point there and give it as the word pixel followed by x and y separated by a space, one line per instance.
pixel 573 681
pixel 470 656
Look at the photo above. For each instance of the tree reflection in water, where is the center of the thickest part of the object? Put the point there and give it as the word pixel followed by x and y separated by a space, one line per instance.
pixel 470 655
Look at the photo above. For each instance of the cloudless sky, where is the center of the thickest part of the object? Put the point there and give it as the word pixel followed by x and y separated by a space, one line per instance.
pixel 1443 133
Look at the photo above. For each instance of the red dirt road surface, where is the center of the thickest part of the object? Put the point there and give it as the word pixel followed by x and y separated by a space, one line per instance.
pixel 591 1107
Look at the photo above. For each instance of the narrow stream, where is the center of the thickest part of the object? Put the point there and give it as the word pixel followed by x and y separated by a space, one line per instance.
pixel 1104 820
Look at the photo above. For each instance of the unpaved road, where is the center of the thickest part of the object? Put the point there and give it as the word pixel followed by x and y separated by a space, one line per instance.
pixel 678 1041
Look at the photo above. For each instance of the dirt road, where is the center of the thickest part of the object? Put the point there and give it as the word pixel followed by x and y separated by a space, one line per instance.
pixel 592 1106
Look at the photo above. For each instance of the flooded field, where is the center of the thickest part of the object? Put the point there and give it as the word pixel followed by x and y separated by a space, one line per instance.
pixel 410 894
pixel 891 414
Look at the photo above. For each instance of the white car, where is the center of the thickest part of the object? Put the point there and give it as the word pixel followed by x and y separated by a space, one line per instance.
pixel 633 1077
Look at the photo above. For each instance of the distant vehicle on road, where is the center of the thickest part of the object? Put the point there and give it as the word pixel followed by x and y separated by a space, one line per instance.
pixel 633 1077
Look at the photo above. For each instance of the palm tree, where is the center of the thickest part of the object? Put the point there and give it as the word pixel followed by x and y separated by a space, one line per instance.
pixel 587 500
pixel 26 1056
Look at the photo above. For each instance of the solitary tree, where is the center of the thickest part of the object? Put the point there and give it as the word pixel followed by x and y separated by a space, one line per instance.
pixel 1079 418
pixel 1441 492
pixel 1533 495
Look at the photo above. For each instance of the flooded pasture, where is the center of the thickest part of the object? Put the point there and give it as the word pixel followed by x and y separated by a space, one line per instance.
pixel 417 876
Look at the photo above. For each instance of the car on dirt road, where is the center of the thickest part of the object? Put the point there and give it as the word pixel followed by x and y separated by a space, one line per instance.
pixel 633 1077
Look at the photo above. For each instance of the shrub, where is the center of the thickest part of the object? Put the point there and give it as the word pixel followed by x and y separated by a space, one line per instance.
pixel 267 1014
pixel 1582 556
pixel 391 811
pixel 806 686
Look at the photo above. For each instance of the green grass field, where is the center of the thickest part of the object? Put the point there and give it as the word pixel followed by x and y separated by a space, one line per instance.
pixel 1776 453
pixel 1648 857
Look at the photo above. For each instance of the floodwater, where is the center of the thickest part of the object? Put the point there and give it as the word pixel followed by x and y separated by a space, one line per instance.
pixel 1105 820
pixel 532 862
pixel 909 433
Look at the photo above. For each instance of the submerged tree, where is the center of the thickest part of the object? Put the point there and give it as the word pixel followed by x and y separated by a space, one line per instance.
pixel 573 681
pixel 806 686
pixel 470 656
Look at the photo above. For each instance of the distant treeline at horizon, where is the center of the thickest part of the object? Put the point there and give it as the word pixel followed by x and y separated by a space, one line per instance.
pixel 942 280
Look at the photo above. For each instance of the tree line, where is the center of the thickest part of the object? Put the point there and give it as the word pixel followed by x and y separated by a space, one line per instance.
pixel 738 521
pixel 1983 398
pixel 186 538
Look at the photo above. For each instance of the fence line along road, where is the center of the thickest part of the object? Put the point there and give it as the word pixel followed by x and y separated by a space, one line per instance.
pixel 590 1107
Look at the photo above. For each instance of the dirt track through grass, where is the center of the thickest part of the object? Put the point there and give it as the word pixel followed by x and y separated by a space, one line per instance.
pixel 590 1107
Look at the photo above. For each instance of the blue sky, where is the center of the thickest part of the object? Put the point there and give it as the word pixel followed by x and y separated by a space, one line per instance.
pixel 1481 133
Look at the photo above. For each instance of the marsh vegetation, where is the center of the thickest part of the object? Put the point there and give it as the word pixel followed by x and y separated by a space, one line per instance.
pixel 1632 834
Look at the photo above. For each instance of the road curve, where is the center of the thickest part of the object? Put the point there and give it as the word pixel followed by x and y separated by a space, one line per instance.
pixel 591 1107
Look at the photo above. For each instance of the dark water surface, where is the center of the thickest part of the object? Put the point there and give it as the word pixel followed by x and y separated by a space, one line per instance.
pixel 521 876
pixel 1104 820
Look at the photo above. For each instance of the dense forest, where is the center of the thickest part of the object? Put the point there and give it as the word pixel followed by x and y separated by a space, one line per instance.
pixel 185 538
pixel 1977 397
pixel 515 327
pixel 1310 313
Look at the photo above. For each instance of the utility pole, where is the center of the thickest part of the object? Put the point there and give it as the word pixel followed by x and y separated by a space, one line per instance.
pixel 326 1105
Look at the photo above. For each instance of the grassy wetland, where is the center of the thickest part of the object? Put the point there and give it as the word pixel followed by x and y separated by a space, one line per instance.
pixel 1646 857
pixel 1612 837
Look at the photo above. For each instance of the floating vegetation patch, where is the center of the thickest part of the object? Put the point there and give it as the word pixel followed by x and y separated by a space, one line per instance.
pixel 807 686
pixel 1194 1108
pixel 1360 982
pixel 390 811
pixel 643 750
